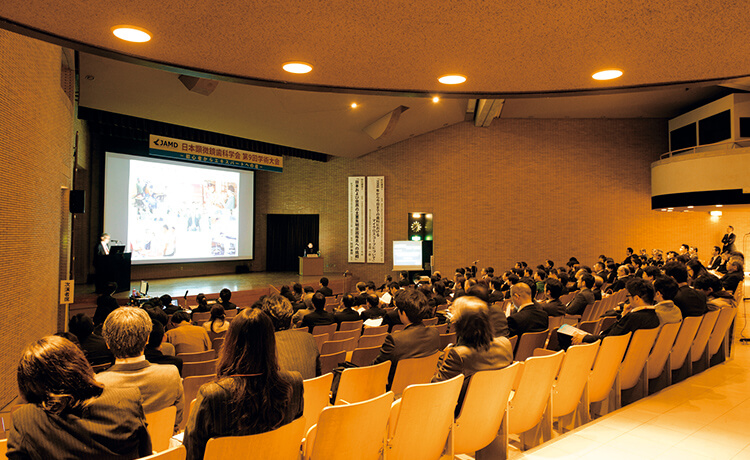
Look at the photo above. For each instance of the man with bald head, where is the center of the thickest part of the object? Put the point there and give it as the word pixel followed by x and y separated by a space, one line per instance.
pixel 529 316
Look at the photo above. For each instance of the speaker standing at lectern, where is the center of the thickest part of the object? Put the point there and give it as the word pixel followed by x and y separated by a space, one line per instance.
pixel 309 250
pixel 100 252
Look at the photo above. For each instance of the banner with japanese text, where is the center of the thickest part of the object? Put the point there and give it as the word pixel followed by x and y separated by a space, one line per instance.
pixel 376 219
pixel 195 152
pixel 357 219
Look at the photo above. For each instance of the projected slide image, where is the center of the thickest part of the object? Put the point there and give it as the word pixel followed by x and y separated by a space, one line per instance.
pixel 182 212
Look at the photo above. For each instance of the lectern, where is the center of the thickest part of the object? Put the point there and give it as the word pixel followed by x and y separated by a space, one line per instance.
pixel 116 267
pixel 311 266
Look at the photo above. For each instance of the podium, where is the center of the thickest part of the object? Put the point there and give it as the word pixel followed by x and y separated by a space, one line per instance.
pixel 114 267
pixel 311 266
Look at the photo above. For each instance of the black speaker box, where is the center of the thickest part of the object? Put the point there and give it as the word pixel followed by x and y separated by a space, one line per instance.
pixel 77 202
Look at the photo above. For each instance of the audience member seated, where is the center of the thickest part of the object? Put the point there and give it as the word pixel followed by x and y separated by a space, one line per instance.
pixel 347 313
pixel 319 317
pixel 296 292
pixel 94 347
pixel 403 279
pixel 416 340
pixel 167 307
pixel 127 331
pixel 597 290
pixel 185 337
pixel 304 307
pixel 105 304
pixel 688 300
pixel 439 294
pixel 553 291
pixel 361 297
pixel 295 351
pixel 735 275
pixel 68 413
pixel 639 314
pixel 202 306
pixel 324 289
pixel 153 351
pixel 373 309
pixel 252 395
pixel 496 293
pixel 475 349
pixel 584 297
pixel 695 269
pixel 715 261
pixel 217 323
pixel 530 317
pixel 224 296
pixel 650 273
pixel 623 275
pixel 665 291
pixel 716 296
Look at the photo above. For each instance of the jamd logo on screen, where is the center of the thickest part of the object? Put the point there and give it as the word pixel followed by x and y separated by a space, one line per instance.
pixel 163 143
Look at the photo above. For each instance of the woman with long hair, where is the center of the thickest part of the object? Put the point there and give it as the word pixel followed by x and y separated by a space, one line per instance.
pixel 217 323
pixel 69 414
pixel 251 395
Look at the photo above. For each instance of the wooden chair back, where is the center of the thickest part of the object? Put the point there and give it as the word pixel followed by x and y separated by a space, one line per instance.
pixel 231 313
pixel 200 368
pixel 447 339
pixel 684 340
pixel 325 329
pixel 414 371
pixel 532 395
pixel 320 339
pixel 197 356
pixel 606 366
pixel 398 327
pixel 335 436
pixel 513 342
pixel 441 328
pixel 723 323
pixel 359 384
pixel 160 426
pixel 553 342
pixel 657 359
pixel 4 448
pixel 605 323
pixel 216 335
pixel 633 366
pixel 329 362
pixel 317 396
pixel 351 325
pixel 555 322
pixel 422 419
pixel 483 409
pixel 365 356
pixel 588 326
pixel 588 312
pixel 343 335
pixel 190 387
pixel 571 319
pixel 175 453
pixel 368 341
pixel 704 333
pixel 200 317
pixel 334 346
pixel 376 330
pixel 430 321
pixel 216 344
pixel 573 378
pixel 528 342
pixel 283 443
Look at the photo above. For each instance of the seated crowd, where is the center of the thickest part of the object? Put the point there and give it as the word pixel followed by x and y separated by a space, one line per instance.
pixel 263 360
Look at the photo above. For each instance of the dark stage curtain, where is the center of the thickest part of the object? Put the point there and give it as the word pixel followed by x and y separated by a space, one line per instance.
pixel 287 236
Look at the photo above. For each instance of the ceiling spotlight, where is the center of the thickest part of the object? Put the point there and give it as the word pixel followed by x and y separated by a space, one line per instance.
pixel 719 205
pixel 691 207
pixel 131 34
pixel 354 105
pixel 297 67
pixel 715 213
pixel 452 79
pixel 435 99
pixel 609 74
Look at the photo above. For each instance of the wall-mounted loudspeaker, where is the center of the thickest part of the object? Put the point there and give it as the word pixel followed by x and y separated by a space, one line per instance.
pixel 77 201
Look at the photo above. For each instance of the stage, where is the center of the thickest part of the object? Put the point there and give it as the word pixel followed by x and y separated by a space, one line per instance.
pixel 246 288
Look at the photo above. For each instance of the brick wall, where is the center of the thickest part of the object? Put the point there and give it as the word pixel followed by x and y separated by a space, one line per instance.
pixel 35 162
pixel 522 189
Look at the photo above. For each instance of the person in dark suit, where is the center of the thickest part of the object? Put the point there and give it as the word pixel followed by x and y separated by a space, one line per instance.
pixel 373 311
pixel 403 279
pixel 728 240
pixel 252 395
pixel 476 349
pixel 295 350
pixel 495 311
pixel 126 332
pixel 623 275
pixel 361 297
pixel 68 413
pixel 153 352
pixel 553 291
pixel 319 317
pixel 105 304
pixel 324 289
pixel 94 347
pixel 497 294
pixel 347 313
pixel 691 302
pixel 715 261
pixel 101 251
pixel 530 317
pixel 583 298
pixel 416 340
pixel 224 296
pixel 735 275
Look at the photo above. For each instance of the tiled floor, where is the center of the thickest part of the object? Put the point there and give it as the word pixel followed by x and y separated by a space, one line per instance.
pixel 704 417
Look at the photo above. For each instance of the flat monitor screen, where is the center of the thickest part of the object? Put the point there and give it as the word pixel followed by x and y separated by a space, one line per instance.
pixel 407 255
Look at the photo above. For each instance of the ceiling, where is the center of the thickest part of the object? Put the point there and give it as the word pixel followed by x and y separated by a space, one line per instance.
pixel 538 56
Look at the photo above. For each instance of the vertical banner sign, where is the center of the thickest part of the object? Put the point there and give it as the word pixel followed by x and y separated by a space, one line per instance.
pixel 357 219
pixel 375 219
pixel 66 291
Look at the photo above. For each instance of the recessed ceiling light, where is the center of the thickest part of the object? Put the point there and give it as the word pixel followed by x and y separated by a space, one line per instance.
pixel 452 79
pixel 131 33
pixel 609 74
pixel 691 207
pixel 715 213
pixel 435 99
pixel 297 67
pixel 719 205
pixel 354 105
